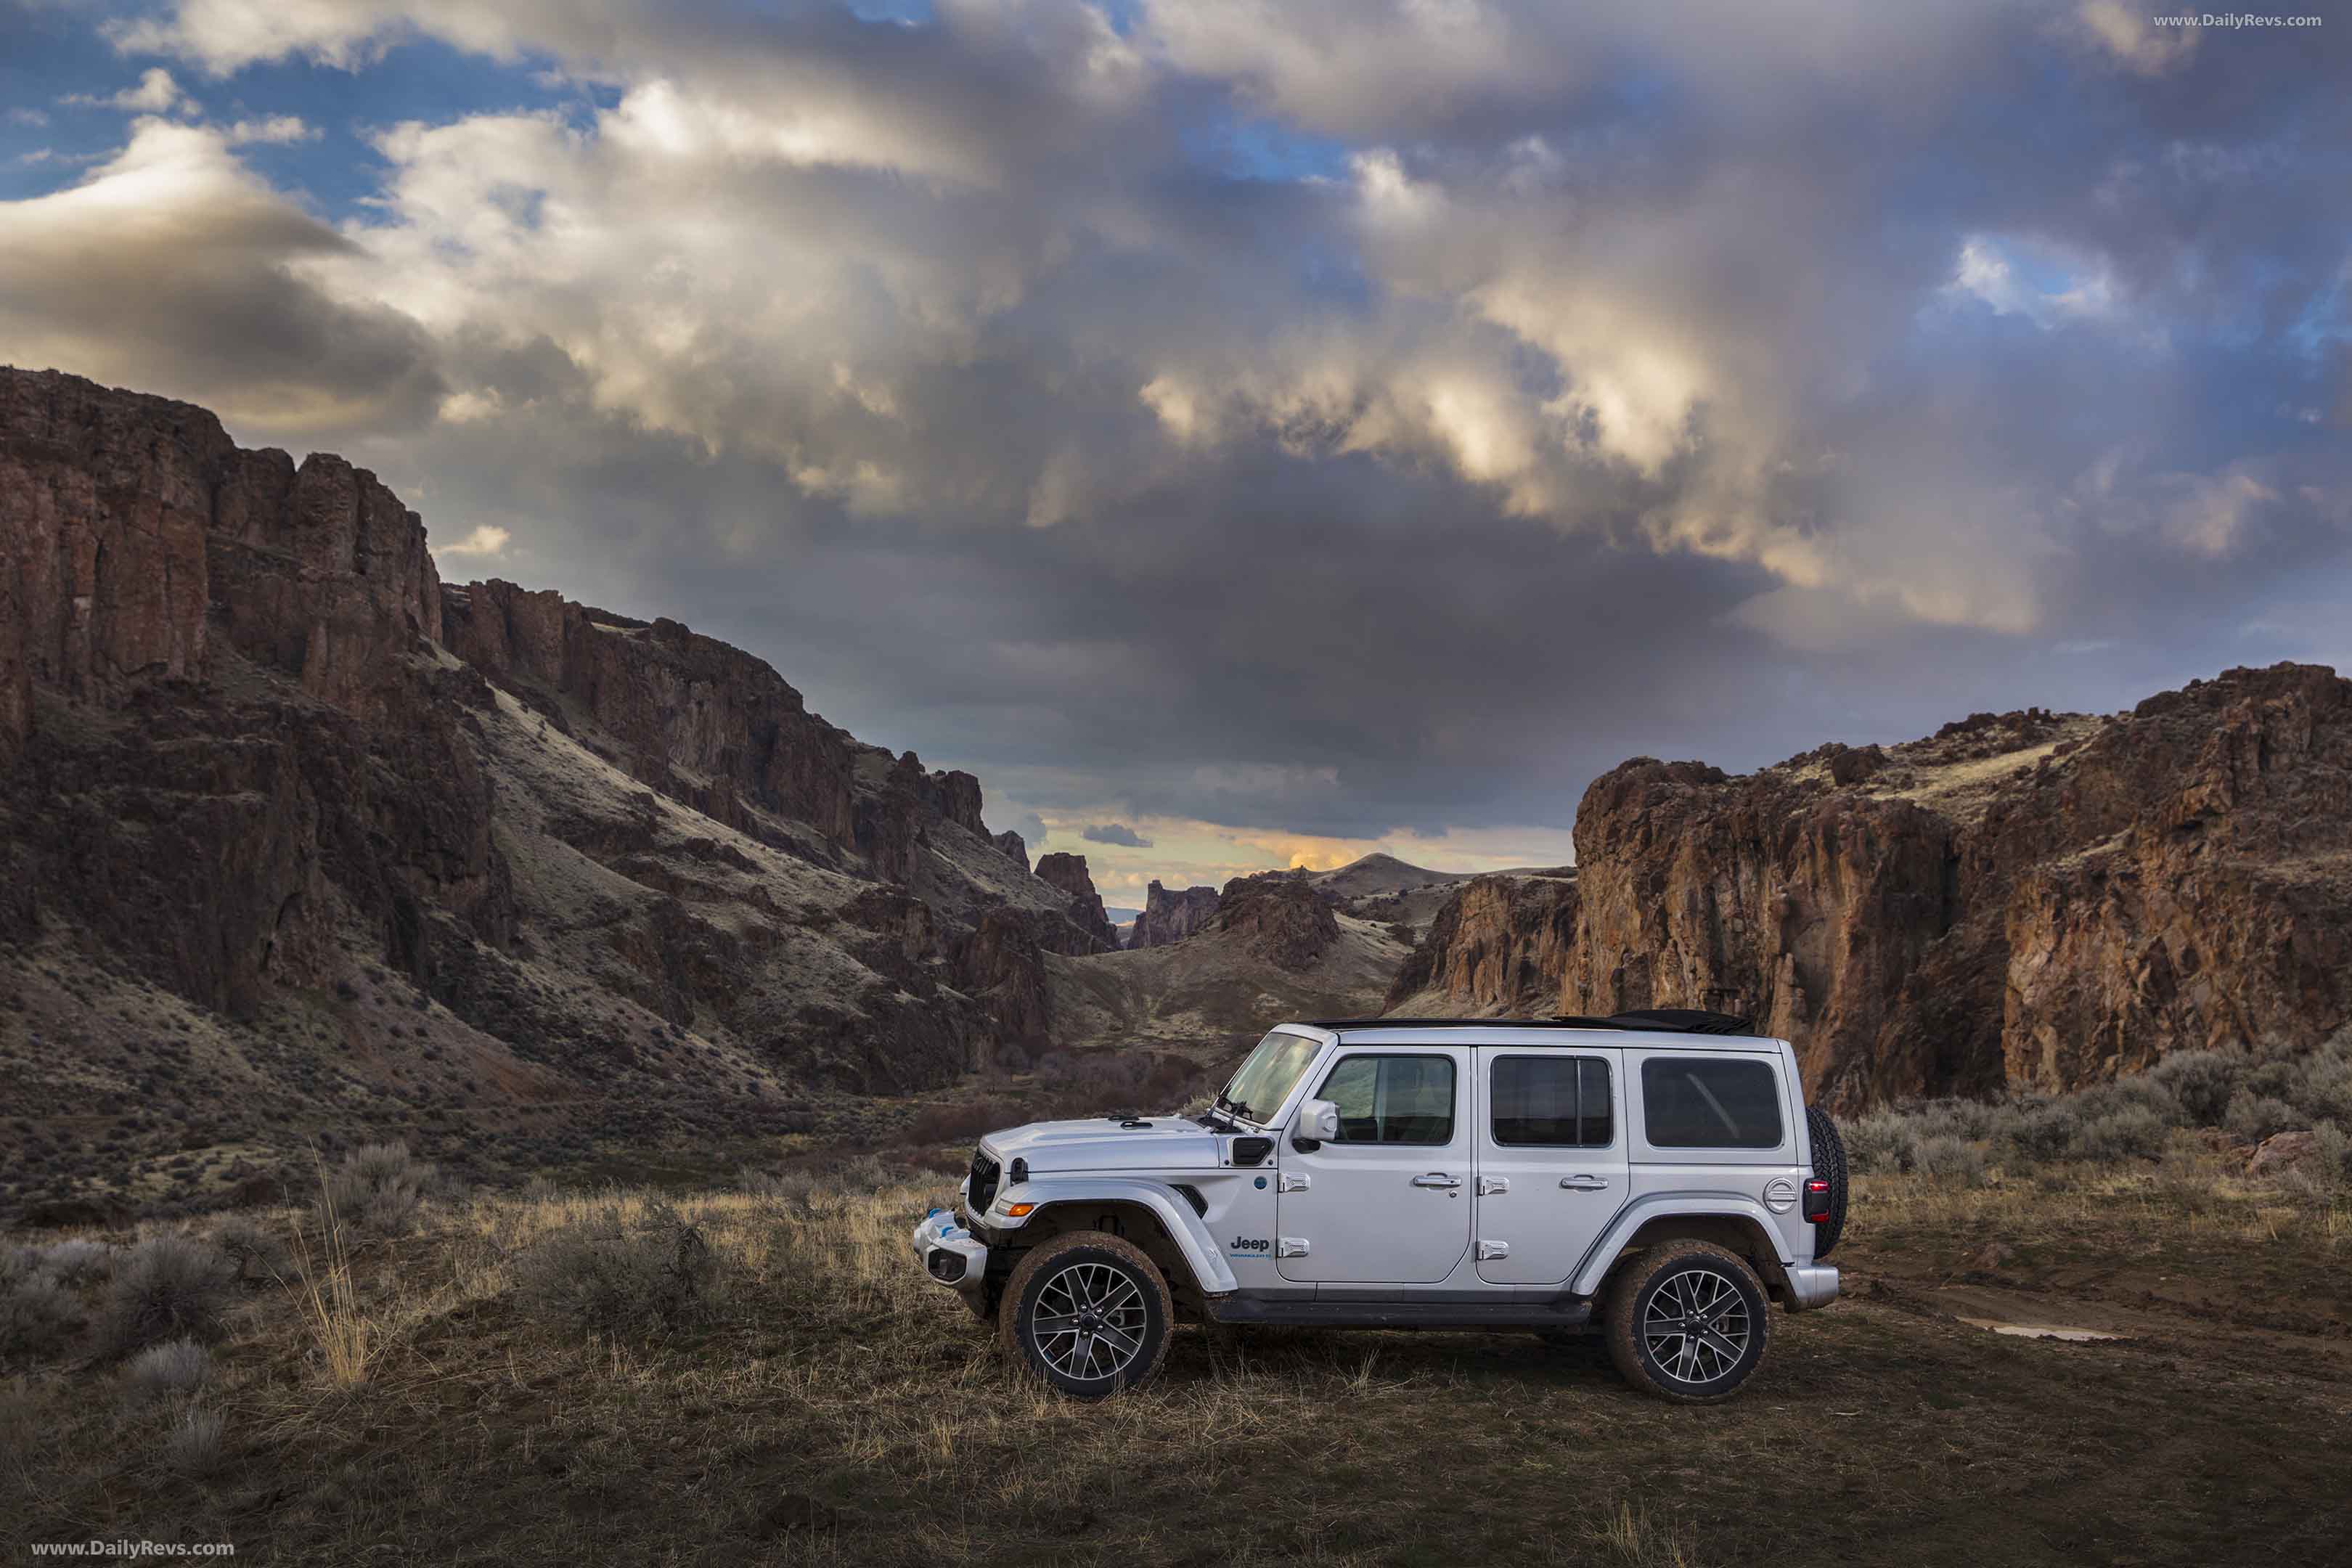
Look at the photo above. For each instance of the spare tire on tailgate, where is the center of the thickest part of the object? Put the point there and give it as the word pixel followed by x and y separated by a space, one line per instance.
pixel 1829 1160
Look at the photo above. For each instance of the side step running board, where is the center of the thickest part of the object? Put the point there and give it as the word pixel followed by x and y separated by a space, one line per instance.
pixel 1566 1314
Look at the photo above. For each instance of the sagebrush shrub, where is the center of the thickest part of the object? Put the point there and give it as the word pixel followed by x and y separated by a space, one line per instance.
pixel 1972 1120
pixel 1879 1143
pixel 623 1274
pixel 176 1366
pixel 2255 1116
pixel 38 1316
pixel 192 1446
pixel 2328 1085
pixel 2134 1132
pixel 2331 1154
pixel 2202 1081
pixel 2139 1093
pixel 256 1254
pixel 1949 1159
pixel 78 1261
pixel 2046 1130
pixel 165 1286
pixel 377 1188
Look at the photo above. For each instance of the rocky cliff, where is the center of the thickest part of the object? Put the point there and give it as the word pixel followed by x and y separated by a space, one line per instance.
pixel 1279 916
pixel 2024 900
pixel 1168 917
pixel 1498 946
pixel 294 841
pixel 1069 872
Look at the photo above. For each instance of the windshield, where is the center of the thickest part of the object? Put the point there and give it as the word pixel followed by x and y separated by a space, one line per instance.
pixel 1257 1090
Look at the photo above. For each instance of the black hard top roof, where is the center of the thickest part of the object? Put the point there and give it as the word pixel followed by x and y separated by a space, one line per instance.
pixel 1646 1020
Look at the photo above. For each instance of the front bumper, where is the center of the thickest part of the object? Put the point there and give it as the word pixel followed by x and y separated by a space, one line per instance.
pixel 1813 1285
pixel 950 1254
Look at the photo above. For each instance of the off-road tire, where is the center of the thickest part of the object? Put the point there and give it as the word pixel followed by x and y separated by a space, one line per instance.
pixel 1829 1160
pixel 1046 1267
pixel 1675 1263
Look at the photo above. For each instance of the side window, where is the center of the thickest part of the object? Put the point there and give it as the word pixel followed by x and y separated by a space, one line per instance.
pixel 1710 1102
pixel 1552 1101
pixel 1393 1100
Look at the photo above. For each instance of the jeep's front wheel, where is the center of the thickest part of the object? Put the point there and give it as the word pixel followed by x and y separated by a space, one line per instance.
pixel 1687 1322
pixel 1088 1312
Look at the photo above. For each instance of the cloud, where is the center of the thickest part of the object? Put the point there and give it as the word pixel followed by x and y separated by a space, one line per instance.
pixel 2128 37
pixel 275 129
pixel 171 268
pixel 33 117
pixel 1115 833
pixel 486 540
pixel 156 93
pixel 1549 388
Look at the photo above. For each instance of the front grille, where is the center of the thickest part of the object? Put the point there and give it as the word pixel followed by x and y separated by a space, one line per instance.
pixel 984 1174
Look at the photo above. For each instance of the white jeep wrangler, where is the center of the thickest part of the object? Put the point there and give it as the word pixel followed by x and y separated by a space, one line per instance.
pixel 1655 1176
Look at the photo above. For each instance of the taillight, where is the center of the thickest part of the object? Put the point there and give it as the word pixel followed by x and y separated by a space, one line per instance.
pixel 1817 1200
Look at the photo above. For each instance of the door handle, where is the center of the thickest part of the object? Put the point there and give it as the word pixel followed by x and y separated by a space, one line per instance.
pixel 1584 1184
pixel 1437 1179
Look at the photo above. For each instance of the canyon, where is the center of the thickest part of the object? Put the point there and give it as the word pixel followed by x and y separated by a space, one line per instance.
pixel 302 845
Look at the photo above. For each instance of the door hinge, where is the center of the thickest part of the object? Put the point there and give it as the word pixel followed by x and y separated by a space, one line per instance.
pixel 1290 1246
pixel 1489 1186
pixel 1292 1182
pixel 1492 1250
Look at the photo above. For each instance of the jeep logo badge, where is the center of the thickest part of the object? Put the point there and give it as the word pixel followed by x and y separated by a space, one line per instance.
pixel 1244 1244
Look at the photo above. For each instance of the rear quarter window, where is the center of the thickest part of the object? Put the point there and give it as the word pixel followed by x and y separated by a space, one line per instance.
pixel 1710 1102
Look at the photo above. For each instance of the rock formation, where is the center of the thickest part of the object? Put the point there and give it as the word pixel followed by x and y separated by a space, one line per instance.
pixel 1013 846
pixel 292 837
pixel 1067 873
pixel 1168 917
pixel 2026 900
pixel 1279 916
pixel 1499 945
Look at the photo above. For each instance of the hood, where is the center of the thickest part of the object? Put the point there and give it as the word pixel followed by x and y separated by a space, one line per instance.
pixel 1101 1143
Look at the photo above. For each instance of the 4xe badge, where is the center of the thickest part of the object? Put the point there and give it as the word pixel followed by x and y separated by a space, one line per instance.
pixel 1245 1244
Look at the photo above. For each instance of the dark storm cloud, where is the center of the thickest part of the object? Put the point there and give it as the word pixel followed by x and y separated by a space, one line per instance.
pixel 170 269
pixel 1114 833
pixel 1714 382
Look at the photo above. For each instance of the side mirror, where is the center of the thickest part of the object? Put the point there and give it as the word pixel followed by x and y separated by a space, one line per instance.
pixel 1317 1120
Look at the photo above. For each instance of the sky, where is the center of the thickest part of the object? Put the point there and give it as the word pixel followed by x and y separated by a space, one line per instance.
pixel 1254 432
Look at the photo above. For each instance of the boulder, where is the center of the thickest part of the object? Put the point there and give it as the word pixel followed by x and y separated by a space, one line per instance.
pixel 2280 1151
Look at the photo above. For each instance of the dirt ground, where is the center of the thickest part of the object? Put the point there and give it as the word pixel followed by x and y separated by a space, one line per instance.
pixel 841 1410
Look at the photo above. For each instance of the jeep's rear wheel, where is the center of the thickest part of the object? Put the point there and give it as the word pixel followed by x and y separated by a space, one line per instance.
pixel 1088 1312
pixel 1687 1322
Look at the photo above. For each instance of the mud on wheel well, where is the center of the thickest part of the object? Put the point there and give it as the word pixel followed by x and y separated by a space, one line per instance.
pixel 1131 1221
pixel 1730 1232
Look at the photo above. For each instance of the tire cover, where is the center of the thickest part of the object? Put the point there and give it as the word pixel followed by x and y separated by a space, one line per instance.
pixel 1829 1160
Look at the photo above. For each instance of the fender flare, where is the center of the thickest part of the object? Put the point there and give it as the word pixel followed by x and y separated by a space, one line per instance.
pixel 1202 1255
pixel 1603 1254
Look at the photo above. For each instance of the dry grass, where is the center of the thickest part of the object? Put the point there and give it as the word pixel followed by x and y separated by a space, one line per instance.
pixel 840 1409
pixel 341 1331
